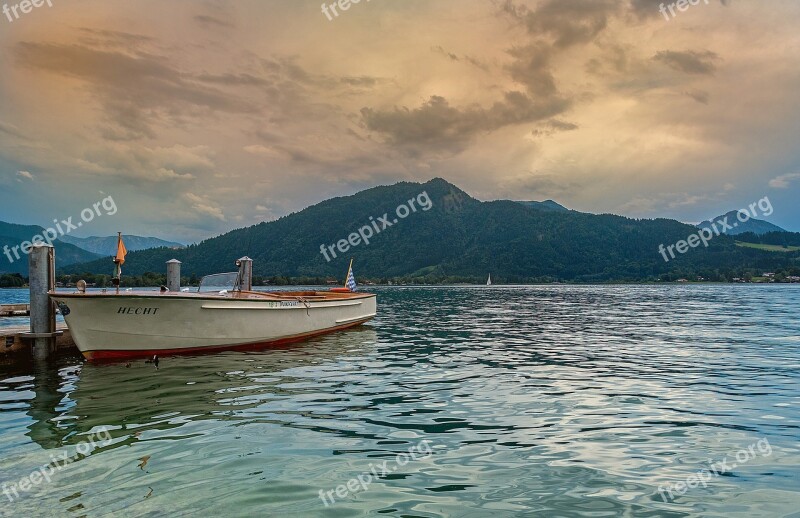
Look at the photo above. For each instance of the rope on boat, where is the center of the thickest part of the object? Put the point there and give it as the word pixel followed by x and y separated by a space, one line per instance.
pixel 306 304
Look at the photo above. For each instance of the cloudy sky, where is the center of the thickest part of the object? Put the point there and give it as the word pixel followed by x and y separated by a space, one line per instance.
pixel 203 116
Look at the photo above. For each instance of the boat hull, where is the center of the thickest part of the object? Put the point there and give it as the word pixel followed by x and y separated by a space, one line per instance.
pixel 109 326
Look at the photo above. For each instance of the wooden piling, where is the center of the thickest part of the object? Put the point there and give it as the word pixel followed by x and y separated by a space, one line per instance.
pixel 245 273
pixel 174 275
pixel 41 279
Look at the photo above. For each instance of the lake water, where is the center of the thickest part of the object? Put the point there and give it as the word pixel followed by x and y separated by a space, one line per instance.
pixel 513 401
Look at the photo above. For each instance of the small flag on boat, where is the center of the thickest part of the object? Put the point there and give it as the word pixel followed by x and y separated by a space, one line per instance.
pixel 351 279
pixel 121 251
pixel 118 261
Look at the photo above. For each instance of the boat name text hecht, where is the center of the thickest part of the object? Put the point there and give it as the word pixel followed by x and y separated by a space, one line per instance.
pixel 137 311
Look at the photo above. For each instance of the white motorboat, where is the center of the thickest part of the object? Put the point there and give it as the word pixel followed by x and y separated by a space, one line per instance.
pixel 112 325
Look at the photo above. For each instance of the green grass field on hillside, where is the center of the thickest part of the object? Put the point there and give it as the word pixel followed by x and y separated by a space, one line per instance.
pixel 769 248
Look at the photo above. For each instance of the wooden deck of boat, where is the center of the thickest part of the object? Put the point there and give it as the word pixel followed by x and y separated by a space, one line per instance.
pixel 308 296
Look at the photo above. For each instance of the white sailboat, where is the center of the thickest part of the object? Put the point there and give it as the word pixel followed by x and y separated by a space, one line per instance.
pixel 489 281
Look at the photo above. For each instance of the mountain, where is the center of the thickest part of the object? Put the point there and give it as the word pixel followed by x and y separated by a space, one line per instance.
pixel 12 235
pixel 548 205
pixel 755 226
pixel 108 245
pixel 19 232
pixel 457 238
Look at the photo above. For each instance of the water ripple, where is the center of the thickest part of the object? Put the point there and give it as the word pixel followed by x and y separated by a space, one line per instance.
pixel 548 400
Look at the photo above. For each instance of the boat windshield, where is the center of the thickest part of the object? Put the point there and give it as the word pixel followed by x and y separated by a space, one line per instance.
pixel 219 282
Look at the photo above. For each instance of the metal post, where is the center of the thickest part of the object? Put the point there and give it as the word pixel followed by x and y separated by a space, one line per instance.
pixel 246 273
pixel 41 275
pixel 174 275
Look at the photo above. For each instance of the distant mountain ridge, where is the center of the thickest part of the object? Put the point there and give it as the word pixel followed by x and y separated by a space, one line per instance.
pixel 548 205
pixel 460 239
pixel 108 245
pixel 755 226
pixel 13 235
pixel 69 249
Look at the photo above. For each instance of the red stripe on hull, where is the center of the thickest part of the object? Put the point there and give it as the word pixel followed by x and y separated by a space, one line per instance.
pixel 111 355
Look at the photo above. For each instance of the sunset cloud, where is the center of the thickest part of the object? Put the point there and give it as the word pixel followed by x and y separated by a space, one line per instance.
pixel 690 61
pixel 783 181
pixel 184 109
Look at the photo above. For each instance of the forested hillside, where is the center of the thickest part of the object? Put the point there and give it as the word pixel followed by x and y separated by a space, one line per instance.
pixel 459 239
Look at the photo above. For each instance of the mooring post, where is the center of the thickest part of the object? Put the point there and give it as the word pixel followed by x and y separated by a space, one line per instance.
pixel 174 275
pixel 246 273
pixel 41 279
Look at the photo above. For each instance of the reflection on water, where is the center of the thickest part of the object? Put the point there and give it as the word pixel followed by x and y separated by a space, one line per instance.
pixel 553 401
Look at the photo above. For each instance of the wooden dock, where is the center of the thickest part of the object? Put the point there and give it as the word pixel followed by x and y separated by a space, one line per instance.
pixel 43 336
pixel 15 310
pixel 12 344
